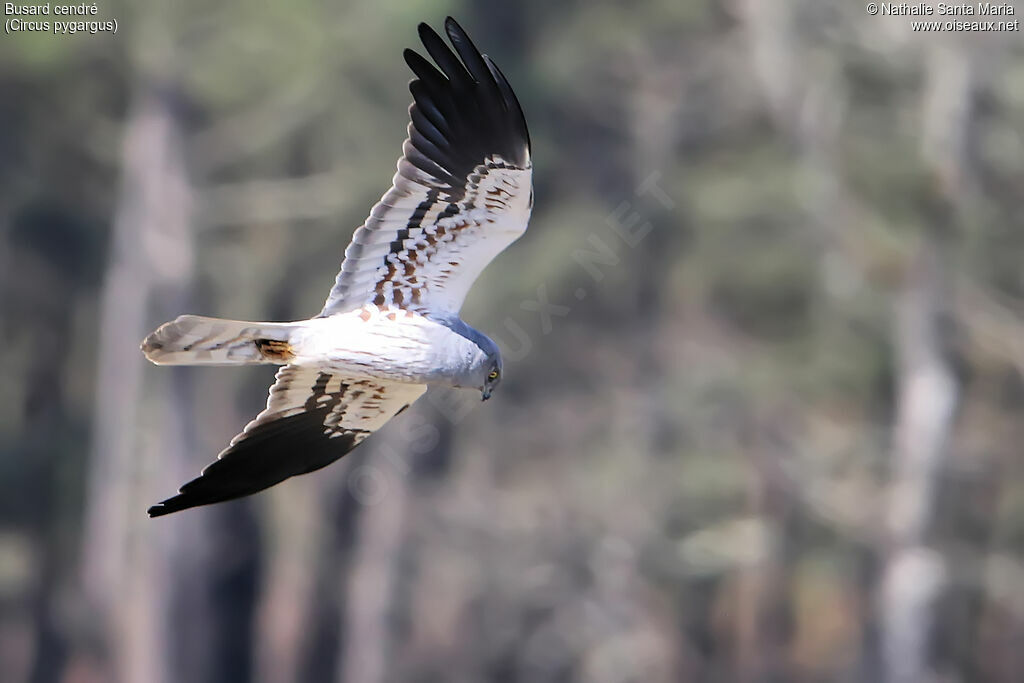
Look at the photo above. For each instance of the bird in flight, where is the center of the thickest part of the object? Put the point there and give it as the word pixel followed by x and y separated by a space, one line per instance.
pixel 391 325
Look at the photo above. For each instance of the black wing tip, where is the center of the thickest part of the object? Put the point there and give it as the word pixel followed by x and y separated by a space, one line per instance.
pixel 269 454
pixel 511 102
pixel 484 113
pixel 452 28
pixel 158 510
pixel 184 500
pixel 168 506
pixel 455 31
pixel 427 33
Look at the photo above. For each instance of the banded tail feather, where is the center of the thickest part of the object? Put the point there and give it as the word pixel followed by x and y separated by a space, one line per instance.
pixel 197 340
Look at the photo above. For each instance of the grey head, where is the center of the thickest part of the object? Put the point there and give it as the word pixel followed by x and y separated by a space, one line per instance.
pixel 483 371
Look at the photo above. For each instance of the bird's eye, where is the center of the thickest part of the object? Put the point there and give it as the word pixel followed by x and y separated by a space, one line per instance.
pixel 493 376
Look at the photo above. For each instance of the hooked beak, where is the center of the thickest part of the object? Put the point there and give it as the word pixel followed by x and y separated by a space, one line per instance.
pixel 485 394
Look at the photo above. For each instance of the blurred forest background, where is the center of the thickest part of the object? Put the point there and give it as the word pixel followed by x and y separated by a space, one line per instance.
pixel 764 345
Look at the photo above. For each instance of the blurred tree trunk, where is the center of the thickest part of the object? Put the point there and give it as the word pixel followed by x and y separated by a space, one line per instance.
pixel 773 56
pixel 926 389
pixel 926 394
pixel 47 308
pixel 309 536
pixel 123 552
pixel 299 550
pixel 322 638
pixel 383 491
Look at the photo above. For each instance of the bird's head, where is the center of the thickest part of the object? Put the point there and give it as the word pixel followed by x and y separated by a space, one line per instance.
pixel 479 359
pixel 486 368
pixel 493 378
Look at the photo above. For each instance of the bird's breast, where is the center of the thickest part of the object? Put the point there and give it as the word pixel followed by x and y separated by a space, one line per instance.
pixel 382 343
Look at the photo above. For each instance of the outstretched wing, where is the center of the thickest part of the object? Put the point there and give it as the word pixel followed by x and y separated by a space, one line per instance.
pixel 463 191
pixel 312 419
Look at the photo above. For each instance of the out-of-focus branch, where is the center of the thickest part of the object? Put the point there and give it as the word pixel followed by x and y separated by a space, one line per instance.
pixel 261 201
pixel 772 55
pixel 946 113
pixel 926 396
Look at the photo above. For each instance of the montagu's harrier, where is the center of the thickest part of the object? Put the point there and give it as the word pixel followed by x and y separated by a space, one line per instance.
pixel 391 325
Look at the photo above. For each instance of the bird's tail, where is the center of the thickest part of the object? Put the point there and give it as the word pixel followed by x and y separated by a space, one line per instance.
pixel 195 340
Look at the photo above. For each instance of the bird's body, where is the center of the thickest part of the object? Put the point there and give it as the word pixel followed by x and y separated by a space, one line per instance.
pixel 391 325
pixel 366 343
pixel 397 346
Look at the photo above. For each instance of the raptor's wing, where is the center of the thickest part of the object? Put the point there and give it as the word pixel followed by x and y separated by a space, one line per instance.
pixel 312 419
pixel 463 191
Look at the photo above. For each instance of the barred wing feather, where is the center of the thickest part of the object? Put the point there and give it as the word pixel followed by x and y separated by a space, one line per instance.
pixel 462 194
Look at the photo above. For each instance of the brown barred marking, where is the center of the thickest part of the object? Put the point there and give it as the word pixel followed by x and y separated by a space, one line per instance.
pixel 274 350
pixel 401 266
